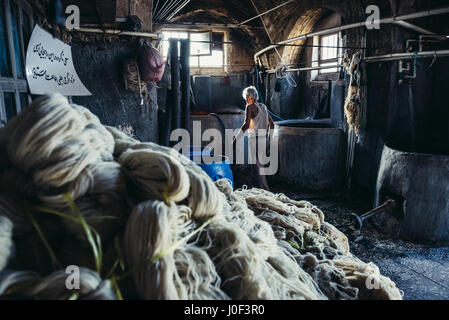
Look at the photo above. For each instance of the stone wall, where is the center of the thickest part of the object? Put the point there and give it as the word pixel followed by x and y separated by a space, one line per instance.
pixel 98 61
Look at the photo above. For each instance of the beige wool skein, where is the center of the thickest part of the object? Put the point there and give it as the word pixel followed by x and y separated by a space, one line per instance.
pixel 5 241
pixel 49 140
pixel 148 234
pixel 157 175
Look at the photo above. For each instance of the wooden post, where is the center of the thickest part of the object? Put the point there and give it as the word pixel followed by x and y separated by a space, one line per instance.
pixel 185 83
pixel 175 94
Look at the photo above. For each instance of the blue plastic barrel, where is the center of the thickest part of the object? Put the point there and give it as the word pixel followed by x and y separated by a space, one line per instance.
pixel 219 170
pixel 216 171
pixel 199 151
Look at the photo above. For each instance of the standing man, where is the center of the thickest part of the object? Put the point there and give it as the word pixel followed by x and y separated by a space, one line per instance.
pixel 257 122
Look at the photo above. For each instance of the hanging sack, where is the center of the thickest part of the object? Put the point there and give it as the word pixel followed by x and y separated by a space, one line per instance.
pixel 151 63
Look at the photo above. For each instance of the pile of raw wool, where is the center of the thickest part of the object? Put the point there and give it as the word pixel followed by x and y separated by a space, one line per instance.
pixel 141 221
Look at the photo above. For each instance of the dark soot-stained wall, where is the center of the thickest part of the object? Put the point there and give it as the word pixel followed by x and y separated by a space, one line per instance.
pixel 99 63
pixel 388 110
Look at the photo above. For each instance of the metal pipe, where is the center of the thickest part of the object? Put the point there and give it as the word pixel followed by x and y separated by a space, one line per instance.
pixel 307 69
pixel 201 25
pixel 437 37
pixel 408 55
pixel 118 32
pixel 413 27
pixel 352 26
pixel 268 11
pixel 387 207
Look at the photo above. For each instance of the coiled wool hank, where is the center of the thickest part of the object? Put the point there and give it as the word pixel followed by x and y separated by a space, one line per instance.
pixel 156 175
pixel 28 285
pixel 5 241
pixel 53 142
pixel 92 287
pixel 182 236
pixel 148 234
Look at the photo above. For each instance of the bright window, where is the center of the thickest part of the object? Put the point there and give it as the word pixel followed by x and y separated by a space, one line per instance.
pixel 330 52
pixel 215 60
pixel 171 35
pixel 200 43
pixel 205 50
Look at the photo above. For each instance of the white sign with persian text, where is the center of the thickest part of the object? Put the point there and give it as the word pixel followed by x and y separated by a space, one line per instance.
pixel 49 66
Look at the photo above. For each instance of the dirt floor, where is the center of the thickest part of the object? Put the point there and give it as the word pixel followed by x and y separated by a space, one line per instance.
pixel 421 272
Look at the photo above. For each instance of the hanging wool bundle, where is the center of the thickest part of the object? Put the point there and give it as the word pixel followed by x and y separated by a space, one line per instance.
pixel 353 103
pixel 147 235
pixel 134 83
pixel 157 175
pixel 132 79
pixel 50 141
pixel 352 109
pixel 5 241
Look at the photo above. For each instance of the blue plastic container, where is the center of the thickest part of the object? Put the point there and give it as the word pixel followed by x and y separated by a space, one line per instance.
pixel 219 170
pixel 199 151
pixel 216 171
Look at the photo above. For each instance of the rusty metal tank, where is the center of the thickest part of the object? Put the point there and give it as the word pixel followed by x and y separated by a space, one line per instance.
pixel 230 121
pixel 312 155
pixel 229 118
pixel 419 183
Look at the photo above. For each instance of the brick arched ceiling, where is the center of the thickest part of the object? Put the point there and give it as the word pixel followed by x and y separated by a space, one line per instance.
pixel 296 18
pixel 291 20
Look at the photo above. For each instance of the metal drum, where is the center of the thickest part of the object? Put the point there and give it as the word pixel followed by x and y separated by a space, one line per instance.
pixel 420 185
pixel 311 155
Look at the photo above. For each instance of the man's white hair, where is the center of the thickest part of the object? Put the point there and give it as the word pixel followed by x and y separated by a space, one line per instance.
pixel 251 92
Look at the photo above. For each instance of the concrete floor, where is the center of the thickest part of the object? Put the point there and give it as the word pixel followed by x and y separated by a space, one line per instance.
pixel 421 272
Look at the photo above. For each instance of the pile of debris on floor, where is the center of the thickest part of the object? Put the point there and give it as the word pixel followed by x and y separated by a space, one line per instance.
pixel 87 212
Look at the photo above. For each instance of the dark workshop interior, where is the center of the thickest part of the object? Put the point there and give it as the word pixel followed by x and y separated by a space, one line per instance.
pixel 98 201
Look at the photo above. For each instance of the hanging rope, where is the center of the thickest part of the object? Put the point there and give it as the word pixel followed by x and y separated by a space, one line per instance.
pixel 281 71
